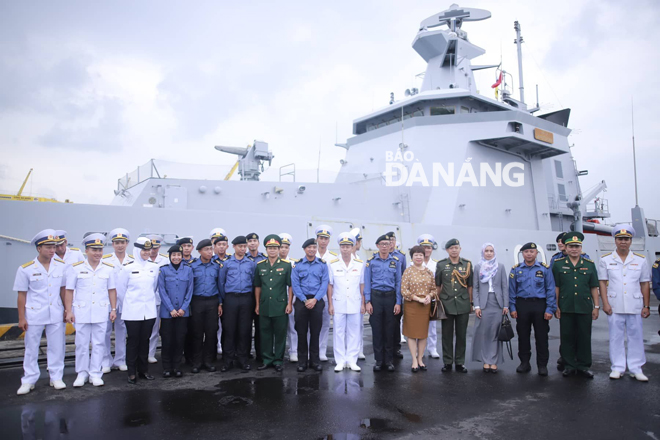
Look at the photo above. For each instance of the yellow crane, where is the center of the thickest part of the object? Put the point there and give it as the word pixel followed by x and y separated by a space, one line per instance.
pixel 22 198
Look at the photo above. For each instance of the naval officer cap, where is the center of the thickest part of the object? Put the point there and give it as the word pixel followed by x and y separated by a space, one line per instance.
pixel 61 236
pixel 252 236
pixel 623 231
pixel 143 243
pixel 95 241
pixel 560 237
pixel 286 238
pixel 384 237
pixel 426 240
pixel 241 239
pixel 217 232
pixel 572 238
pixel 309 242
pixel 356 233
pixel 174 249
pixel 528 246
pixel 272 240
pixel 323 231
pixel 452 242
pixel 47 236
pixel 156 240
pixel 204 243
pixel 346 238
pixel 119 234
pixel 184 240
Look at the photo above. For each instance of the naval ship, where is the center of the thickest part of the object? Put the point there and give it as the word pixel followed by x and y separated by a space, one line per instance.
pixel 445 160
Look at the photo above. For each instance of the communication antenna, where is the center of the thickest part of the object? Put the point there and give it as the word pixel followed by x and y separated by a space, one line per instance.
pixel 632 114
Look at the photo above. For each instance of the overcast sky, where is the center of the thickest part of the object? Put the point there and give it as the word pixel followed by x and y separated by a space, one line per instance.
pixel 91 90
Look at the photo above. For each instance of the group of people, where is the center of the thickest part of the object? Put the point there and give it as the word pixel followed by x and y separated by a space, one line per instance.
pixel 209 305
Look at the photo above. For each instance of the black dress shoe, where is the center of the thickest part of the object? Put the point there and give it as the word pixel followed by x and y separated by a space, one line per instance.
pixel 167 374
pixel 178 373
pixel 398 354
pixel 210 368
pixel 568 372
pixel 132 380
pixel 543 370
pixel 146 376
pixel 585 373
pixel 390 368
pixel 524 367
pixel 446 368
pixel 414 369
pixel 423 367
pixel 262 367
pixel 246 367
pixel 494 370
pixel 279 368
pixel 460 369
pixel 560 364
pixel 301 368
pixel 195 370
pixel 378 367
pixel 226 367
pixel 318 367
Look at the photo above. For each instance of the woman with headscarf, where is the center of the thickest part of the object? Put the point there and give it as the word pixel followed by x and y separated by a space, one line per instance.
pixel 491 301
pixel 137 289
pixel 175 287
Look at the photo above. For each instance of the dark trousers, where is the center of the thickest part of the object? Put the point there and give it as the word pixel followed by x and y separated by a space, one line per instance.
pixel 531 314
pixel 237 327
pixel 397 330
pixel 173 335
pixel 189 344
pixel 257 336
pixel 273 338
pixel 454 324
pixel 205 329
pixel 137 345
pixel 382 322
pixel 575 334
pixel 312 320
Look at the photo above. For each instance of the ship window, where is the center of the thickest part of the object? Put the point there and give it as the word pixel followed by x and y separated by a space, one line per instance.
pixel 562 192
pixel 439 111
pixel 465 109
pixel 558 170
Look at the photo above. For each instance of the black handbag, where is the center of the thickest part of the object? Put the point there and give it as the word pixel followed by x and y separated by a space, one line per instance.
pixel 506 333
pixel 437 309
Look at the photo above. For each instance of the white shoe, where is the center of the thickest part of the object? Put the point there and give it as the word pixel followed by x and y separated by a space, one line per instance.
pixel 80 380
pixel 153 360
pixel 615 375
pixel 293 357
pixel 361 356
pixel 25 388
pixel 339 367
pixel 403 340
pixel 435 355
pixel 58 384
pixel 123 367
pixel 97 382
pixel 355 367
pixel 323 358
pixel 639 376
pixel 219 351
pixel 106 370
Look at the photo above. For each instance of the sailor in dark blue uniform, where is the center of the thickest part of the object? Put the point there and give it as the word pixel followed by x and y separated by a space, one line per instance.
pixel 382 294
pixel 186 244
pixel 532 301
pixel 256 256
pixel 220 245
pixel 397 325
pixel 206 306
pixel 655 284
pixel 175 287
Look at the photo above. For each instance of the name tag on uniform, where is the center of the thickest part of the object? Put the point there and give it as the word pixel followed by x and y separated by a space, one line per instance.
pixel 280 269
pixel 634 264
pixel 539 274
pixel 36 274
pixel 612 264
pixel 584 268
pixel 354 270
pixel 135 272
pixel 84 273
pixel 392 264
pixel 566 267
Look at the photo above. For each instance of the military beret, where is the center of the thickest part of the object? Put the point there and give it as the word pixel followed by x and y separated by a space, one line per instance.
pixel 272 240
pixel 94 241
pixel 391 234
pixel 383 238
pixel 452 242
pixel 252 236
pixel 143 243
pixel 184 240
pixel 175 248
pixel 623 231
pixel 528 246
pixel 239 240
pixel 573 238
pixel 203 243
pixel 47 236
pixel 220 237
pixel 309 242
pixel 560 236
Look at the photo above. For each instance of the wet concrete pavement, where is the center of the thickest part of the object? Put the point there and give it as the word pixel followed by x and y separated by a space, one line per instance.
pixel 349 405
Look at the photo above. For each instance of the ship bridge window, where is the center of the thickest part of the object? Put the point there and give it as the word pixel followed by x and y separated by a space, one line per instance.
pixel 439 111
pixel 465 109
pixel 561 189
pixel 558 170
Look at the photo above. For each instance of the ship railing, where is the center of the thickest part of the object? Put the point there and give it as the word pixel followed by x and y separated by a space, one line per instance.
pixel 652 226
pixel 142 173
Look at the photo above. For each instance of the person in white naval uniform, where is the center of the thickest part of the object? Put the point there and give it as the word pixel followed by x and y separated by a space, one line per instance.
pixel 119 238
pixel 40 286
pixel 292 335
pixel 357 255
pixel 323 233
pixel 91 297
pixel 63 252
pixel 427 241
pixel 160 260
pixel 136 287
pixel 346 303
pixel 624 279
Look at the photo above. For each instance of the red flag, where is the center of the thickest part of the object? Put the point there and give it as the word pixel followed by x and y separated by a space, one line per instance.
pixel 498 82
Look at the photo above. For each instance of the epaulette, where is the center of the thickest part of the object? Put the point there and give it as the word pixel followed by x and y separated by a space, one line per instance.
pixel 605 255
pixel 107 256
pixel 128 262
pixel 332 253
pixel 219 263
pixel 545 265
pixel 28 264
pixel 562 258
pixel 334 261
pixel 163 255
pixel 586 259
pixel 261 261
pixel 108 264
pixel 322 260
pixel 79 263
pixel 372 257
pixel 130 256
pixel 639 255
pixel 434 260
pixel 149 261
pixel 515 265
pixel 395 257
pixel 656 264
pixel 61 261
pixel 74 249
pixel 358 260
pixel 285 260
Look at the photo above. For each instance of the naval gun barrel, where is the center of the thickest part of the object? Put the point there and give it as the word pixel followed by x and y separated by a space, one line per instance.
pixel 238 151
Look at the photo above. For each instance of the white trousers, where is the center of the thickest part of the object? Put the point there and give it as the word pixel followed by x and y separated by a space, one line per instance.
pixel 346 336
pixel 620 326
pixel 94 333
pixel 219 335
pixel 325 330
pixel 120 344
pixel 55 340
pixel 361 341
pixel 432 341
pixel 292 335
pixel 153 340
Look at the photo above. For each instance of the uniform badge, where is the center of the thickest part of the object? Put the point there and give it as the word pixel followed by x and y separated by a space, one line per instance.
pixel 511 275
pixel 539 274
pixel 392 264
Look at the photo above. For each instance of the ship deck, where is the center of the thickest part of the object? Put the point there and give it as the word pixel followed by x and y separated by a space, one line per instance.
pixel 349 405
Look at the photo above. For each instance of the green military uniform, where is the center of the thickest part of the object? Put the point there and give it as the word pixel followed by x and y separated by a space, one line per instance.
pixel 455 280
pixel 576 305
pixel 274 281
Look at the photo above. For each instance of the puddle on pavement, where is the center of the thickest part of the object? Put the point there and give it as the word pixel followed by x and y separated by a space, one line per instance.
pixel 135 420
pixel 410 416
pixel 378 425
pixel 272 387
